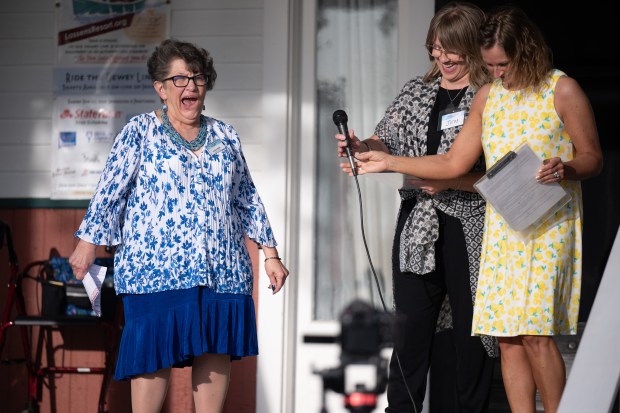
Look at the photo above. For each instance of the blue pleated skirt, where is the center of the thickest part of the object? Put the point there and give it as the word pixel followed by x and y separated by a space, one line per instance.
pixel 170 328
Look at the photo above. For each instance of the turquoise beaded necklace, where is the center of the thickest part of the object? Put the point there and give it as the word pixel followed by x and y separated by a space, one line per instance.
pixel 174 135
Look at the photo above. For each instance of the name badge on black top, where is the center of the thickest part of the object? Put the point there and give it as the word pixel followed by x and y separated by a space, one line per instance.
pixel 451 118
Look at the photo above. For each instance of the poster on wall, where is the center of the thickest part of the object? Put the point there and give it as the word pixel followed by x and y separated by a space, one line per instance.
pixel 84 131
pixel 100 82
pixel 109 32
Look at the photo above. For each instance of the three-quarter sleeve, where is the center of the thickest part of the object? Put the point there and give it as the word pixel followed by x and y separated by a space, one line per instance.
pixel 103 222
pixel 247 202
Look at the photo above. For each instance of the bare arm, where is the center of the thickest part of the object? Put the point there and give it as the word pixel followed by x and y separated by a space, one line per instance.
pixel 467 181
pixel 373 144
pixel 464 153
pixel 433 187
pixel 573 107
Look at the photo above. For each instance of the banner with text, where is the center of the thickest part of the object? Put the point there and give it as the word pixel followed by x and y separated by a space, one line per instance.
pixel 100 82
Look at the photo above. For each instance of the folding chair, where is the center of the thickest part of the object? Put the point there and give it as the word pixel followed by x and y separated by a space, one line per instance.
pixel 53 316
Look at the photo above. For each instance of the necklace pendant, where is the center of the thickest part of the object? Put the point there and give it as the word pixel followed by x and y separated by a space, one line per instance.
pixel 452 99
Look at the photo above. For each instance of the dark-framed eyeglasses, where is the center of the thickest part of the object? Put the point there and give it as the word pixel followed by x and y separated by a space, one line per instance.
pixel 437 51
pixel 182 81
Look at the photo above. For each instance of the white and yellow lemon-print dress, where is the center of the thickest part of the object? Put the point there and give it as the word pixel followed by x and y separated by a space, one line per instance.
pixel 529 287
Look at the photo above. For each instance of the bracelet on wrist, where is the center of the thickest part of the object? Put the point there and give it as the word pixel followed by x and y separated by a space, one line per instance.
pixel 273 258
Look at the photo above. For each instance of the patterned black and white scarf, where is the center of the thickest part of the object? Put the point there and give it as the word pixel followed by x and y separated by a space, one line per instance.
pixel 404 130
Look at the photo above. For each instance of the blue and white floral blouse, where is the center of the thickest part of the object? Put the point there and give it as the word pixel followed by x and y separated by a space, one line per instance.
pixel 178 220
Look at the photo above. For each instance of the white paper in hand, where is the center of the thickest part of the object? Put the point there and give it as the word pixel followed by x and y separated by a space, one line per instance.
pixel 92 283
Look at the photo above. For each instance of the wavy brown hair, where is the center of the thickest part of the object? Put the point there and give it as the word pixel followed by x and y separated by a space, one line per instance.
pixel 524 44
pixel 456 25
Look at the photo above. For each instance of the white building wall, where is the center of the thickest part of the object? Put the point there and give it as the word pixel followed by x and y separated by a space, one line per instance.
pixel 232 30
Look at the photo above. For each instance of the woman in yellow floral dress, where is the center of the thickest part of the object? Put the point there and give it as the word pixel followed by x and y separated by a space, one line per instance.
pixel 528 289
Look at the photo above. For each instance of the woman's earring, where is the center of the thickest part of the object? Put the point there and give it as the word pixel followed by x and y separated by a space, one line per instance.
pixel 203 107
pixel 164 107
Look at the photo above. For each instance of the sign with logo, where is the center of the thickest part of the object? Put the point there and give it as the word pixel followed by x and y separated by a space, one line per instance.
pixel 100 82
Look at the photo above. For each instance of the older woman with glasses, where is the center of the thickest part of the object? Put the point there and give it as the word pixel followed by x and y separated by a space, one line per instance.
pixel 176 199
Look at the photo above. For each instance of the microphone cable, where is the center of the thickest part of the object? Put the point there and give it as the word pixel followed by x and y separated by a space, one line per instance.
pixel 377 283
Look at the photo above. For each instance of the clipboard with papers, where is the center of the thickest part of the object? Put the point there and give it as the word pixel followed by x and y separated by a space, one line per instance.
pixel 510 186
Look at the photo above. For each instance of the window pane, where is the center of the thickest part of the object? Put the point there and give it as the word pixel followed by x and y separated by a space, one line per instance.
pixel 356 72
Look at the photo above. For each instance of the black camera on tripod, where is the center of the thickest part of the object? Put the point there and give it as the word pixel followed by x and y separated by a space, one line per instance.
pixel 362 374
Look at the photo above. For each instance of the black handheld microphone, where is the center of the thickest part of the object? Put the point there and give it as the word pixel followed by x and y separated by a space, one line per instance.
pixel 340 119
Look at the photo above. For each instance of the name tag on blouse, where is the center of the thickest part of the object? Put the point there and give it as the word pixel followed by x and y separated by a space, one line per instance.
pixel 451 118
pixel 215 147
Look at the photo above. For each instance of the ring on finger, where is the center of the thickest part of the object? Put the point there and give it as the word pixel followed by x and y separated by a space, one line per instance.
pixel 556 175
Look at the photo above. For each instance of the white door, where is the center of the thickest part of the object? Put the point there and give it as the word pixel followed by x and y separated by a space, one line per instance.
pixel 355 56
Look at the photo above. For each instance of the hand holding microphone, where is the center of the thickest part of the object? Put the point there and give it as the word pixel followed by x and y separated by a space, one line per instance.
pixel 340 119
pixel 368 161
